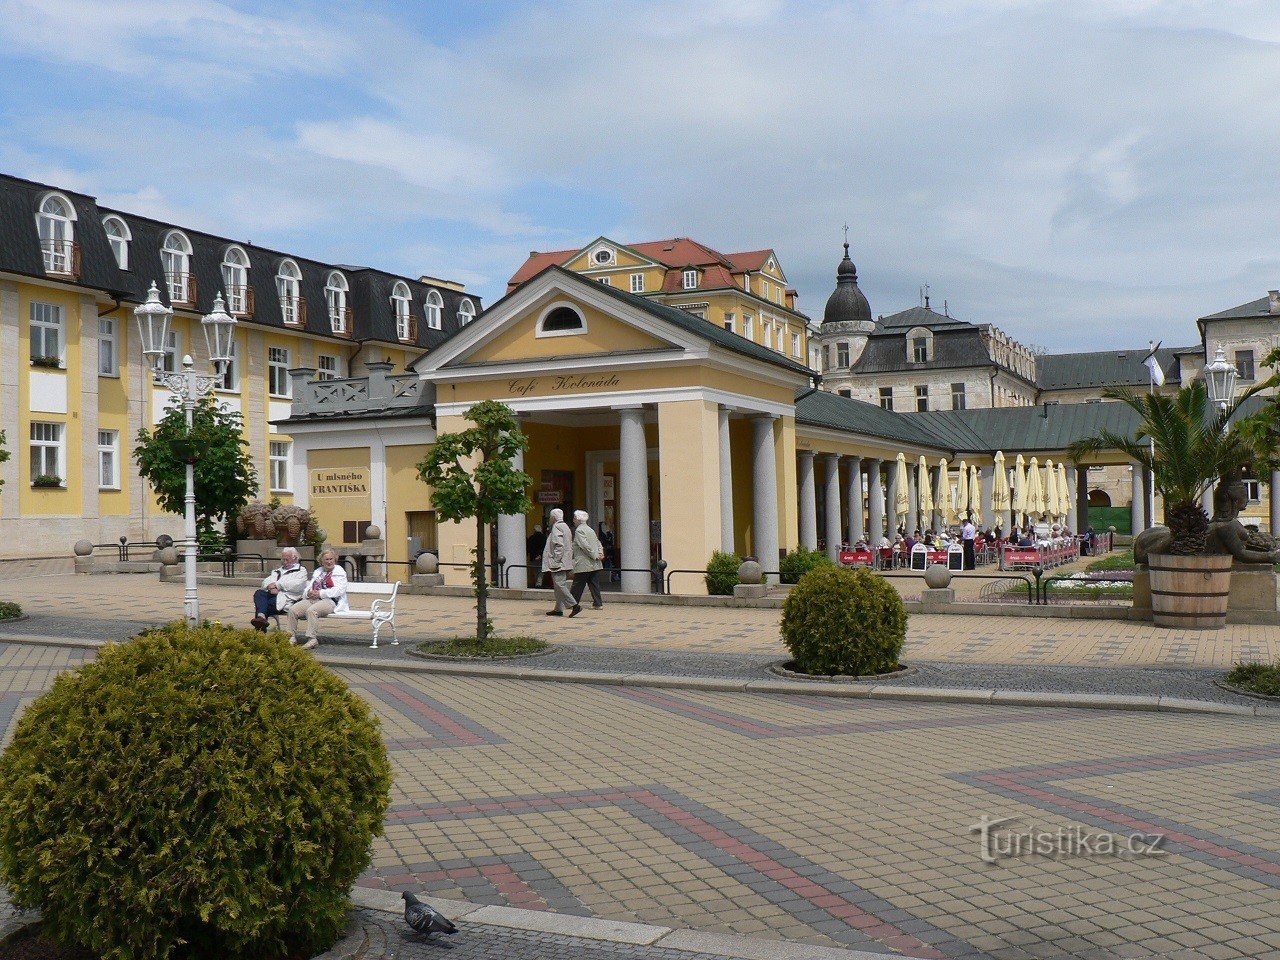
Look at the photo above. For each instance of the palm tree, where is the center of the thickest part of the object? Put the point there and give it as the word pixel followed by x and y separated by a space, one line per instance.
pixel 1188 444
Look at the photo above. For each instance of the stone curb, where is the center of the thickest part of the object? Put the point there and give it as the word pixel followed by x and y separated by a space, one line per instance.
pixel 729 946
pixel 817 688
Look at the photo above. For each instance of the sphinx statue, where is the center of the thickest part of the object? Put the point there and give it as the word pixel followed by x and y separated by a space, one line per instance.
pixel 1227 535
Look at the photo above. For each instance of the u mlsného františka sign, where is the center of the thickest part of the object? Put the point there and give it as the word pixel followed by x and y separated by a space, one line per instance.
pixel 339 483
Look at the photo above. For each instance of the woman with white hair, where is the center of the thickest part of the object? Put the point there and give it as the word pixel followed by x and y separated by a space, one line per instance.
pixel 588 557
pixel 557 560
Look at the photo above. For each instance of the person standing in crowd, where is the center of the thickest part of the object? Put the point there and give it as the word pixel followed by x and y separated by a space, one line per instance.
pixel 557 562
pixel 607 540
pixel 967 533
pixel 533 548
pixel 281 589
pixel 326 594
pixel 588 557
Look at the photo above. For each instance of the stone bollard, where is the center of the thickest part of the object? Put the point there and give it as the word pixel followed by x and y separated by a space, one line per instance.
pixel 427 571
pixel 170 562
pixel 84 556
pixel 750 585
pixel 938 591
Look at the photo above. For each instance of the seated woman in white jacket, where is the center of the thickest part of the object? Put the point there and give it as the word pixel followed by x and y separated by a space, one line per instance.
pixel 326 593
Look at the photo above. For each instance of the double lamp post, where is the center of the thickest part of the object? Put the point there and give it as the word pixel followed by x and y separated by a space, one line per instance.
pixel 219 333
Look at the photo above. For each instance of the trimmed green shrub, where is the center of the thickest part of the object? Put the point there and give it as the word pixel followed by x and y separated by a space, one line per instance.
pixel 9 611
pixel 722 573
pixel 800 561
pixel 846 621
pixel 1263 678
pixel 198 794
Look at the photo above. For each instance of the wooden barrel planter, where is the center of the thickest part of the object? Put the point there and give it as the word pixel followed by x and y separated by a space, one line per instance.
pixel 1190 592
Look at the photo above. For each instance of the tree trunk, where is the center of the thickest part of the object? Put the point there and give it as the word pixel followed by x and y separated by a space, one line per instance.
pixel 482 585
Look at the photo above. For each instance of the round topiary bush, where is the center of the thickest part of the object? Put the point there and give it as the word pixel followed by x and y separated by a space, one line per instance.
pixel 722 573
pixel 843 621
pixel 195 794
pixel 800 561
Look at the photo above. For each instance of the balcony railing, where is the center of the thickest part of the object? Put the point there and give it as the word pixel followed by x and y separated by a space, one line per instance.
pixel 341 322
pixel 240 301
pixel 407 328
pixel 378 391
pixel 294 311
pixel 182 289
pixel 61 257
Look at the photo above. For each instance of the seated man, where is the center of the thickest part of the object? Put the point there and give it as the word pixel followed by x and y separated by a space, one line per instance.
pixel 281 588
pixel 326 593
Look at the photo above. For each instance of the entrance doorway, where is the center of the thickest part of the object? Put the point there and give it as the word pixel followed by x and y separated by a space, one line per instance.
pixel 422 533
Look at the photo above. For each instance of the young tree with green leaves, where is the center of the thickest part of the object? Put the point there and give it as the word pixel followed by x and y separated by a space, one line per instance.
pixel 226 478
pixel 473 475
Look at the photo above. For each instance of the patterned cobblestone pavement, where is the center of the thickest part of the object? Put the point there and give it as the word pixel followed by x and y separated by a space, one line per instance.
pixel 819 820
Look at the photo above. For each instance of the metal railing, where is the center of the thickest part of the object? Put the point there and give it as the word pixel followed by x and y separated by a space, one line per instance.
pixel 240 301
pixel 182 289
pixel 61 257
pixel 294 311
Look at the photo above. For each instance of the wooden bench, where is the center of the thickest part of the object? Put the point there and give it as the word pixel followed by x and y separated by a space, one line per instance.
pixel 381 612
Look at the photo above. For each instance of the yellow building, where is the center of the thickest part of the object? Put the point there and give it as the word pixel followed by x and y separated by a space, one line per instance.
pixel 745 293
pixel 73 391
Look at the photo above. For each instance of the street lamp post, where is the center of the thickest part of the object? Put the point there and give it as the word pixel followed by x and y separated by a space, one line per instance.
pixel 219 331
pixel 1220 380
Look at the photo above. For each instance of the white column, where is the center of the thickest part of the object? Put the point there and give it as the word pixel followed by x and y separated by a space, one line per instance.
pixel 854 495
pixel 913 500
pixel 378 484
pixel 9 406
pixel 875 502
pixel 89 413
pixel 633 501
pixel 1273 494
pixel 832 505
pixel 726 484
pixel 511 539
pixel 764 514
pixel 1137 514
pixel 808 502
pixel 988 479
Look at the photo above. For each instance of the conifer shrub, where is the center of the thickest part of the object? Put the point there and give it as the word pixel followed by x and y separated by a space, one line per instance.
pixel 193 794
pixel 722 573
pixel 800 561
pixel 844 621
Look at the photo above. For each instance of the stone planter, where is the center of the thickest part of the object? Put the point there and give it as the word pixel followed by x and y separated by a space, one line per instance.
pixel 1190 592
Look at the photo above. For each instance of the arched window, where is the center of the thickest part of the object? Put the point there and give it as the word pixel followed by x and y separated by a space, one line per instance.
pixel 335 294
pixel 289 287
pixel 561 320
pixel 55 221
pixel 400 301
pixel 175 255
pixel 235 281
pixel 433 308
pixel 118 236
pixel 466 312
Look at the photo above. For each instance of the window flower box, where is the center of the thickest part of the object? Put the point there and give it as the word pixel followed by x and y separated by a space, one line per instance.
pixel 49 363
pixel 47 482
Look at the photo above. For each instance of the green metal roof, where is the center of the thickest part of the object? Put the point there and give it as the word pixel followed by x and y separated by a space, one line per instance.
pixel 1246 311
pixel 1103 368
pixel 834 412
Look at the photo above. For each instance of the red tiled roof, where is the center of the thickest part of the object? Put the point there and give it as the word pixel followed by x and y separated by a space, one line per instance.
pixel 710 278
pixel 751 260
pixel 680 252
pixel 538 262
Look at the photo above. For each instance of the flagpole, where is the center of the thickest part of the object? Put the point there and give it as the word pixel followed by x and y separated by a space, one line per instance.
pixel 1151 389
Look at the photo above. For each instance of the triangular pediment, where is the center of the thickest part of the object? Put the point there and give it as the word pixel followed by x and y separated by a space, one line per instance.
pixel 604 254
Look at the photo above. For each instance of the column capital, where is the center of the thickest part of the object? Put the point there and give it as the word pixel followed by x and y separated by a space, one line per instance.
pixel 805 454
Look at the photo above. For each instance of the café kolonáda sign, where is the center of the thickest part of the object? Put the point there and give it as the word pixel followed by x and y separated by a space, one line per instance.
pixel 339 483
pixel 524 386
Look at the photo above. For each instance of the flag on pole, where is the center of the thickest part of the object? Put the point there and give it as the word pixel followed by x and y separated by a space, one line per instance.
pixel 1153 365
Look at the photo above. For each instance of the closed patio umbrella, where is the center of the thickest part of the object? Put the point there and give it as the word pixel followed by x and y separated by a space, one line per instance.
pixel 975 495
pixel 1050 490
pixel 1019 491
pixel 901 502
pixel 961 506
pixel 1035 490
pixel 925 493
pixel 1000 496
pixel 1064 491
pixel 943 494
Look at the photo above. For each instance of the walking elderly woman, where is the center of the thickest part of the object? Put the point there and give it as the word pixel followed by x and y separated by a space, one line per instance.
pixel 588 557
pixel 557 562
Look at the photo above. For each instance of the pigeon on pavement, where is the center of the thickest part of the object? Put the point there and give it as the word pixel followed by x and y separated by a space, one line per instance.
pixel 423 919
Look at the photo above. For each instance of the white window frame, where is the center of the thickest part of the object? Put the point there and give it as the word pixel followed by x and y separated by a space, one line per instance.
pixel 637 283
pixel 330 371
pixel 109 458
pixel 175 256
pixel 689 280
pixel 764 288
pixel 50 319
pixel 1253 490
pixel 279 466
pixel 767 329
pixel 108 347
pixel 171 359
pixel 230 382
pixel 886 398
pixel 748 326
pixel 45 445
pixel 402 303
pixel 433 310
pixel 466 311
pixel 289 290
pixel 796 350
pixel 120 240
pixel 606 281
pixel 961 394
pixel 540 332
pixel 728 322
pixel 235 280
pixel 336 289
pixel 922 397
pixel 278 362
pixel 746 282
pixel 57 232
pixel 842 355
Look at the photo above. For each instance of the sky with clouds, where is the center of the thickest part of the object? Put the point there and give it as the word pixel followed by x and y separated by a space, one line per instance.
pixel 1084 174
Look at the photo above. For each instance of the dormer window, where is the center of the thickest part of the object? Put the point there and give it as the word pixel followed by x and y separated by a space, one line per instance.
pixel 433 310
pixel 175 257
pixel 561 320
pixel 400 302
pixel 920 349
pixel 690 280
pixel 55 221
pixel 235 282
pixel 118 236
pixel 466 312
pixel 289 285
pixel 919 345
pixel 335 294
